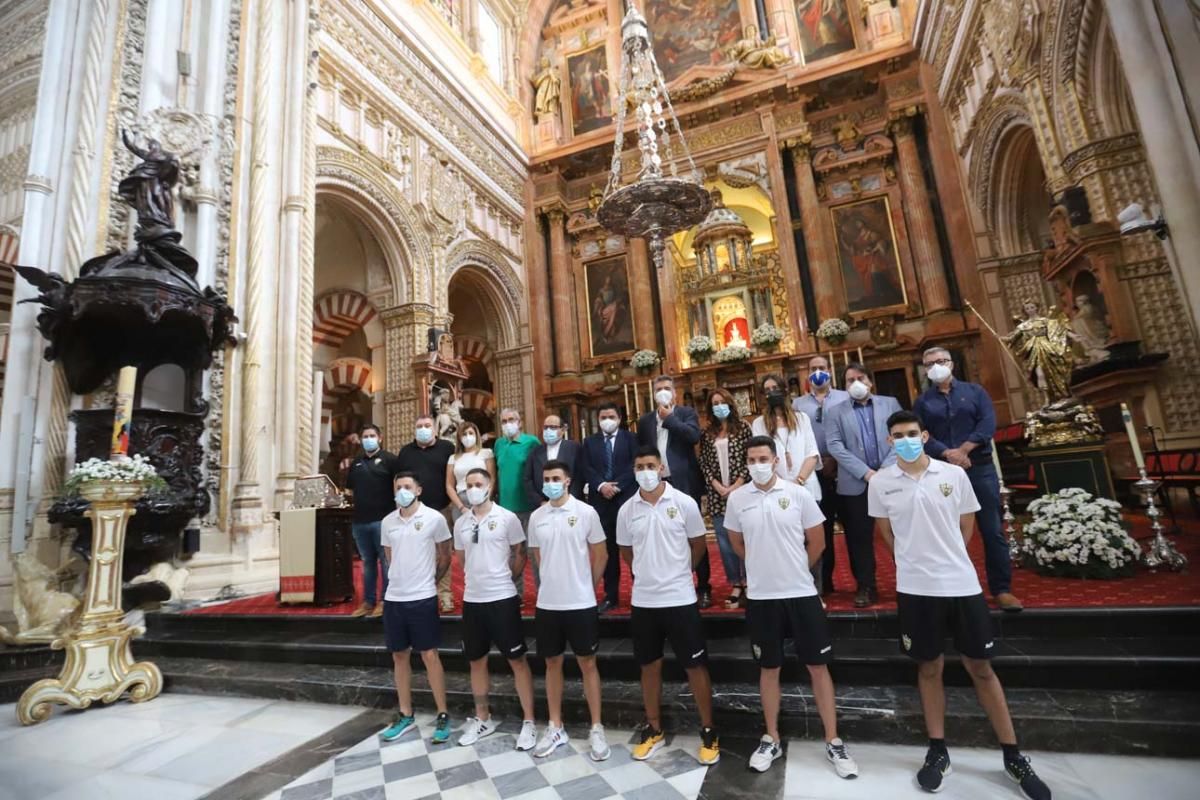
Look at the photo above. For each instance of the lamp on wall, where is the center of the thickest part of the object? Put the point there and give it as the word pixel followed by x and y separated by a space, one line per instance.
pixel 1134 219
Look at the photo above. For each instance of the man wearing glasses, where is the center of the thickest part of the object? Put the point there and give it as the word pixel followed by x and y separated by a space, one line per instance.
pixel 961 423
pixel 492 543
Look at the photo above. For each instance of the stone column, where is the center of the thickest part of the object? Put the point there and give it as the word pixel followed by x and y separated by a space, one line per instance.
pixel 404 331
pixel 787 244
pixel 562 289
pixel 539 313
pixel 922 233
pixel 645 331
pixel 822 258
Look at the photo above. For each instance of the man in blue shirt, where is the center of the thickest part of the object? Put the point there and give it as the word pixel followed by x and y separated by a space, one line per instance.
pixel 961 423
pixel 818 403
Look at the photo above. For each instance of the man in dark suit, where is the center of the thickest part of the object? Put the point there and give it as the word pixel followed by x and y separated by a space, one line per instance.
pixel 608 472
pixel 554 447
pixel 675 431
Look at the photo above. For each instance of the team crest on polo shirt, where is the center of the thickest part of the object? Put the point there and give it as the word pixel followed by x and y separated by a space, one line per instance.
pixel 571 521
pixel 784 502
pixel 491 524
pixel 757 650
pixel 417 525
pixel 946 489
pixel 672 512
pixel 907 642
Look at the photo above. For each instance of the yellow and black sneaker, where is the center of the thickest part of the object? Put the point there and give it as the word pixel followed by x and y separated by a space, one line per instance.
pixel 710 747
pixel 651 742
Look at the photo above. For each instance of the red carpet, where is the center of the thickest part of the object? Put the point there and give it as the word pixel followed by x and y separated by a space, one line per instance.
pixel 1144 589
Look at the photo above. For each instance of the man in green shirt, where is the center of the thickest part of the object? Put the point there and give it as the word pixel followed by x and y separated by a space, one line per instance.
pixel 512 450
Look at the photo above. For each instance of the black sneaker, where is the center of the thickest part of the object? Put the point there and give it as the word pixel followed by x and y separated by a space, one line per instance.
pixel 1021 771
pixel 937 767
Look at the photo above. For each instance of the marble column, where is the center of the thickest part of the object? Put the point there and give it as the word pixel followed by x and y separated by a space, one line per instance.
pixel 645 331
pixel 562 301
pixel 539 313
pixel 922 233
pixel 822 259
pixel 787 243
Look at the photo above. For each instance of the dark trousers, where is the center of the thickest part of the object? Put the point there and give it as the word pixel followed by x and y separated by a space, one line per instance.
pixel 607 511
pixel 995 549
pixel 830 505
pixel 860 539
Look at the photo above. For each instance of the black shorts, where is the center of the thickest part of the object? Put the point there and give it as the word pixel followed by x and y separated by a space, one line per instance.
pixel 412 624
pixel 801 619
pixel 498 623
pixel 579 626
pixel 650 627
pixel 926 621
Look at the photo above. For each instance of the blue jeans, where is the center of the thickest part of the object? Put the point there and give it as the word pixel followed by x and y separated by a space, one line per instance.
pixel 370 549
pixel 987 490
pixel 735 568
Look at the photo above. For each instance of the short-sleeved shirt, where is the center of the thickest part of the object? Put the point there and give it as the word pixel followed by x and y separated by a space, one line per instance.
pixel 370 479
pixel 931 556
pixel 413 541
pixel 773 523
pixel 486 562
pixel 429 465
pixel 660 534
pixel 562 535
pixel 511 455
pixel 465 462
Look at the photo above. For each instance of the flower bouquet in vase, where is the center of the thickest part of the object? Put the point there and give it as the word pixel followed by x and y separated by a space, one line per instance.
pixel 767 336
pixel 833 331
pixel 1075 535
pixel 732 354
pixel 701 348
pixel 645 360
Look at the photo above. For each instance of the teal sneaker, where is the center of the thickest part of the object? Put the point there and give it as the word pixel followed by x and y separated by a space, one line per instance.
pixel 441 731
pixel 403 724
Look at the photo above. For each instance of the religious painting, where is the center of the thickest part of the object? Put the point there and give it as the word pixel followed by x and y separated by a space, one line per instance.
pixel 587 74
pixel 687 33
pixel 867 255
pixel 825 28
pixel 730 324
pixel 610 321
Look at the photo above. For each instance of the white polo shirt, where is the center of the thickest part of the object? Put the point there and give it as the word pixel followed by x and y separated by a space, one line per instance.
pixel 486 563
pixel 562 536
pixel 773 525
pixel 413 541
pixel 660 535
pixel 931 557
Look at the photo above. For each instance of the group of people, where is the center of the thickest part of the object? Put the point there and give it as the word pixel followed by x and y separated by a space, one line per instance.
pixel 771 495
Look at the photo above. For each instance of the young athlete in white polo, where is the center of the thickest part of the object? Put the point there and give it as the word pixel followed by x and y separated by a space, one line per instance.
pixel 661 535
pixel 492 544
pixel 778 528
pixel 925 512
pixel 569 551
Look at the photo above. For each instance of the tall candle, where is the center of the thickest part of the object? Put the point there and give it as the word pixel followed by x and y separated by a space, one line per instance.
pixel 625 388
pixel 650 394
pixel 833 369
pixel 1133 439
pixel 996 461
pixel 860 355
pixel 637 403
pixel 123 413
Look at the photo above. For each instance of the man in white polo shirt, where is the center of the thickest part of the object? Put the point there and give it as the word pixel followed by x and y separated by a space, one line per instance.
pixel 569 551
pixel 777 527
pixel 492 542
pixel 416 543
pixel 925 512
pixel 661 535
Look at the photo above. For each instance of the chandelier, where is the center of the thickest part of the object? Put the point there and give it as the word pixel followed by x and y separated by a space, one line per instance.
pixel 654 205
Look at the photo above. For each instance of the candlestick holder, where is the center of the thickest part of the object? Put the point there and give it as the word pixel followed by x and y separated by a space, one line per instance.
pixel 1010 528
pixel 1161 552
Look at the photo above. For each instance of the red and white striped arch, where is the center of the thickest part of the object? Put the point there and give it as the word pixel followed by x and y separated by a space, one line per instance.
pixel 479 400
pixel 338 314
pixel 473 348
pixel 342 377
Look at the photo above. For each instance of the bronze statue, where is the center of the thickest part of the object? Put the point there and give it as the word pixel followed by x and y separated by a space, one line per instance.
pixel 1043 346
pixel 757 53
pixel 148 185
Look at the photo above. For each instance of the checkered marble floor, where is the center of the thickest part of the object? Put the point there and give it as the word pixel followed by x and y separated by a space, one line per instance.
pixel 412 768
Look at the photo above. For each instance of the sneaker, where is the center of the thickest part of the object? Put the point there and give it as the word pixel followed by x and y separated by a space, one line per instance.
pixel 528 736
pixel 937 767
pixel 650 742
pixel 600 748
pixel 768 750
pixel 362 610
pixel 403 724
pixel 552 739
pixel 836 752
pixel 475 729
pixel 377 611
pixel 1020 770
pixel 447 603
pixel 710 747
pixel 441 731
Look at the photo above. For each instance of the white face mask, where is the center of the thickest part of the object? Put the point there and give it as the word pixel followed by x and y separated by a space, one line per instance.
pixel 608 425
pixel 664 397
pixel 648 479
pixel 939 373
pixel 477 495
pixel 859 390
pixel 468 441
pixel 761 473
pixel 510 429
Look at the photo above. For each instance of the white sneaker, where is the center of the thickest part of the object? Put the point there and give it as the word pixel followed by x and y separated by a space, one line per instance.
pixel 600 749
pixel 528 736
pixel 475 729
pixel 837 754
pixel 768 750
pixel 552 739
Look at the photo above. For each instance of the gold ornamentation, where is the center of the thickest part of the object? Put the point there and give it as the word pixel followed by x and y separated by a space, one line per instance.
pixel 846 133
pixel 757 53
pixel 547 88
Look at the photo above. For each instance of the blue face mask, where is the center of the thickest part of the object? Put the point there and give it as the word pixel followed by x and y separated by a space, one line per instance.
pixel 370 444
pixel 405 498
pixel 818 377
pixel 909 449
pixel 424 435
pixel 721 410
pixel 553 491
pixel 550 435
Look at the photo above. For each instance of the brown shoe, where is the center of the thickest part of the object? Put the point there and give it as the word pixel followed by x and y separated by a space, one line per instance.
pixel 378 610
pixel 865 597
pixel 1008 602
pixel 361 611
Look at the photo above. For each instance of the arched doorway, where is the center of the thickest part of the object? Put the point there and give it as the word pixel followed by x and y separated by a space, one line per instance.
pixel 1021 200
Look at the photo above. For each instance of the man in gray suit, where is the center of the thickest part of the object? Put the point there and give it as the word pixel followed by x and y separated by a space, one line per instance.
pixel 857 436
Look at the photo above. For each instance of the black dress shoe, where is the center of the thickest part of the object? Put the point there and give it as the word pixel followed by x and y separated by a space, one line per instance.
pixel 705 600
pixel 866 597
pixel 606 606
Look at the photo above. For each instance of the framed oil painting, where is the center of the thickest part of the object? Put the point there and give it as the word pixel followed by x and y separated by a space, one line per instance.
pixel 866 244
pixel 587 76
pixel 825 28
pixel 688 33
pixel 610 318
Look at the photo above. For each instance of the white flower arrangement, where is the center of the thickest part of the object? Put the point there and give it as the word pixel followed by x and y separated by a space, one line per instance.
pixel 701 344
pixel 134 470
pixel 733 353
pixel 1075 535
pixel 766 334
pixel 835 328
pixel 644 359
